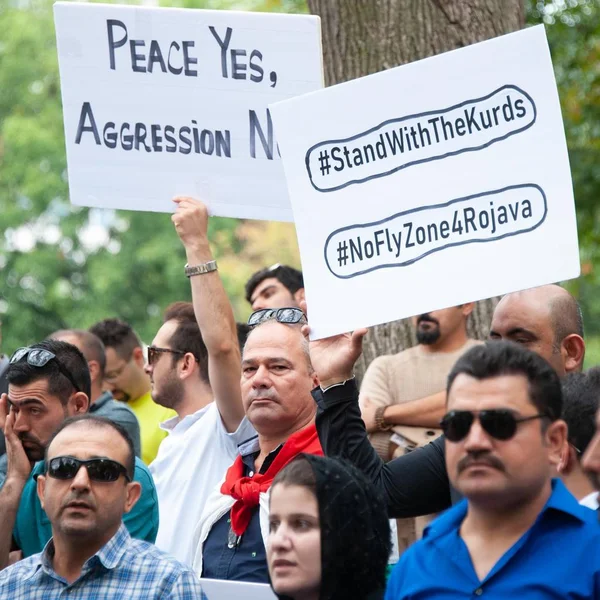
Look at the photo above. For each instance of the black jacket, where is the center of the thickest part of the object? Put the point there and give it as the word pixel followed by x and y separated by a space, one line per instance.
pixel 412 485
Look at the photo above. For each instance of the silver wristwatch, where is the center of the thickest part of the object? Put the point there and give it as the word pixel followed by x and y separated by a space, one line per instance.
pixel 201 269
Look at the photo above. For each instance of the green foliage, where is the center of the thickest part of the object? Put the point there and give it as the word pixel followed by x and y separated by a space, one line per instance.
pixel 64 266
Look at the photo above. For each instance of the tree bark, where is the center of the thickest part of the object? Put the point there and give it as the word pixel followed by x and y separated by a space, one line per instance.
pixel 361 37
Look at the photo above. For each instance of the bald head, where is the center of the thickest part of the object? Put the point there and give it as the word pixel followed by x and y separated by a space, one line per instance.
pixel 92 348
pixel 90 345
pixel 545 319
pixel 294 331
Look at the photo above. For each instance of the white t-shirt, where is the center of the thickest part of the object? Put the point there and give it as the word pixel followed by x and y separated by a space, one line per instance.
pixel 191 461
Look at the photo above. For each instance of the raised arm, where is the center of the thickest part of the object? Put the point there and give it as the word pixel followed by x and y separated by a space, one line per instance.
pixel 19 469
pixel 213 312
pixel 415 484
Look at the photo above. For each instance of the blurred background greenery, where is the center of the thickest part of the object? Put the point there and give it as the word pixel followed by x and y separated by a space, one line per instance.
pixel 64 266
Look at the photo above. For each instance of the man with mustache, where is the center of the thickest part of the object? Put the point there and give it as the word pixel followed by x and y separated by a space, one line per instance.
pixel 503 432
pixel 85 488
pixel 403 397
pixel 48 382
pixel 546 320
pixel 276 382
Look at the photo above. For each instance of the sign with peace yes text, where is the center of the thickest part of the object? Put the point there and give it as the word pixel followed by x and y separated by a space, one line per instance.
pixel 159 102
pixel 433 184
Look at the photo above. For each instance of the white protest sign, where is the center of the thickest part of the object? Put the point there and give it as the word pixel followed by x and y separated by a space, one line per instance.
pixel 159 102
pixel 220 589
pixel 433 184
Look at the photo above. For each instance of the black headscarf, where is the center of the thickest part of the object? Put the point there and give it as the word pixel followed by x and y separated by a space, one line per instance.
pixel 355 532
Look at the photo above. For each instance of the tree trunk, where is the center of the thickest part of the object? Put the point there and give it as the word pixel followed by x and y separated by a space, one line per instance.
pixel 361 37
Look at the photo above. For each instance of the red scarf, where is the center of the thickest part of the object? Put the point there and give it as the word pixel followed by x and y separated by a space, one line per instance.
pixel 246 490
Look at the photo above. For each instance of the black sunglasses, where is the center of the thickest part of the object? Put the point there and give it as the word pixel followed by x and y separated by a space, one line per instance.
pixel 38 357
pixel 154 352
pixel 499 423
pixel 281 315
pixel 103 470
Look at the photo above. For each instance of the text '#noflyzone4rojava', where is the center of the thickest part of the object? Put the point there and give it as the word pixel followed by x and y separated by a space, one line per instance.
pixel 430 185
pixel 159 102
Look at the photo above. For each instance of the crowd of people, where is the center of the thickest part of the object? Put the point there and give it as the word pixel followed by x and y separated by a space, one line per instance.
pixel 244 452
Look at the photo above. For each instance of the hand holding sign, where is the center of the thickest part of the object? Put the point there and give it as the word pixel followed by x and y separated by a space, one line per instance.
pixel 158 101
pixel 467 179
pixel 333 358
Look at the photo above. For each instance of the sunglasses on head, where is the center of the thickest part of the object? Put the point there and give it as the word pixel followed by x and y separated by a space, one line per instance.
pixel 281 315
pixel 39 357
pixel 103 470
pixel 500 423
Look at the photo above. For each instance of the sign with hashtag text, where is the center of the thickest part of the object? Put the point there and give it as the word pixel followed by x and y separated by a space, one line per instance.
pixel 160 102
pixel 430 185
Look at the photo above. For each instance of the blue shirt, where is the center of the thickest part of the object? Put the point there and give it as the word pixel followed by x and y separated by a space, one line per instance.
pixel 33 530
pixel 246 560
pixel 123 569
pixel 558 557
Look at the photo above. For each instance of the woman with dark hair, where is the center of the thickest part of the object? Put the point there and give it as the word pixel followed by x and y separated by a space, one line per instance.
pixel 329 535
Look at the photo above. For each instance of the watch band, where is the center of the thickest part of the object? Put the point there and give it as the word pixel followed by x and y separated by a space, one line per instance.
pixel 201 269
pixel 380 422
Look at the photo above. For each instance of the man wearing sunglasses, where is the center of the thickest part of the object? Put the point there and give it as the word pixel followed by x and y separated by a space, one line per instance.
pixel 196 373
pixel 48 382
pixel 86 488
pixel 503 433
pixel 127 381
pixel 546 320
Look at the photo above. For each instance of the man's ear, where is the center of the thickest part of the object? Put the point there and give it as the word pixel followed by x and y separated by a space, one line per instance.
pixel 573 351
pixel 556 440
pixel 467 308
pixel 315 380
pixel 138 357
pixel 299 296
pixel 41 487
pixel 188 362
pixel 79 404
pixel 134 491
pixel 94 367
pixel 568 459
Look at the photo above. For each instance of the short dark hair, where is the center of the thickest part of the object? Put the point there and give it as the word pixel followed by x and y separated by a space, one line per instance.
pixel 91 345
pixel 100 422
pixel 71 359
pixel 289 277
pixel 118 335
pixel 497 358
pixel 187 337
pixel 581 399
